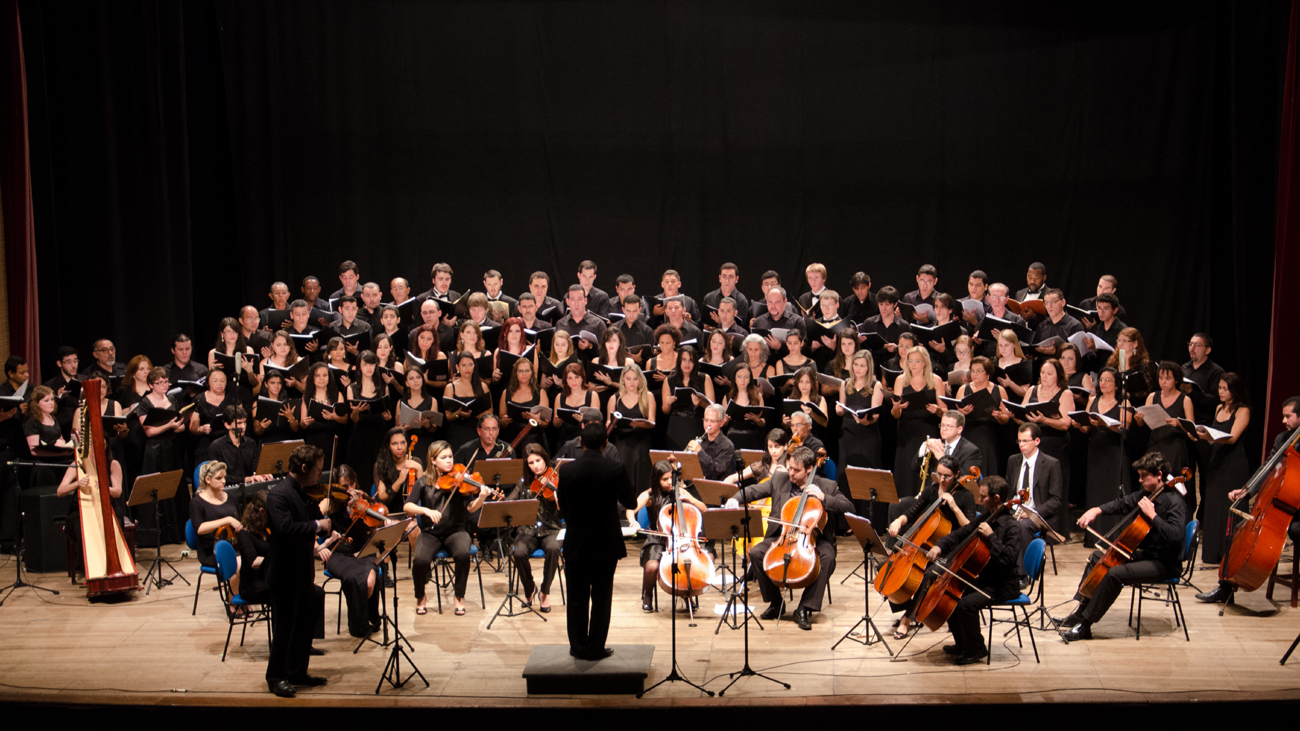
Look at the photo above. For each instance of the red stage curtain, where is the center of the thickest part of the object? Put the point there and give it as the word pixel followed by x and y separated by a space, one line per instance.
pixel 16 192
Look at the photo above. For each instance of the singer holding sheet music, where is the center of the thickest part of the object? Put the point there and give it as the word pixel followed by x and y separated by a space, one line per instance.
pixel 685 409
pixel 1228 468
pixel 631 415
pixel 1167 437
pixel 917 410
pixel 372 412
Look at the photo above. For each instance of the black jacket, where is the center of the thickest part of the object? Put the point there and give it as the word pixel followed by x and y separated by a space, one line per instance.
pixel 293 519
pixel 590 489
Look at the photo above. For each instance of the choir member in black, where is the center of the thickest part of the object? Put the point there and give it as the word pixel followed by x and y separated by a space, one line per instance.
pixel 572 448
pixel 579 320
pixel 754 356
pixel 664 361
pixel 778 316
pixel 70 484
pixel 339 362
pixel 552 366
pixel 279 296
pixel 357 577
pixel 951 442
pixel 1108 464
pixel 717 352
pixel 654 499
pixel 114 436
pixel 612 353
pixel 747 433
pixel 492 283
pixel 257 339
pixel 311 295
pixel 672 287
pixel 717 453
pixel 419 397
pixel 284 355
pixel 1051 388
pixel 1107 326
pixel 977 289
pixel 350 278
pixel 444 522
pixel 301 327
pixel 758 307
pixel 370 306
pixel 183 367
pixel 41 428
pixel 635 331
pixel 996 302
pixel 512 341
pixel 390 325
pixel 597 298
pixel 372 415
pixel 133 387
pixel 887 324
pixel 1168 438
pixel 459 424
pixel 1083 388
pixel 811 403
pixel 927 278
pixel 685 412
pixel 389 369
pixel 1290 420
pixel 295 604
pixel 728 275
pixel 205 420
pixel 523 391
pixel 781 488
pixel 1228 468
pixel 135 382
pixel 895 366
pixel 1158 557
pixel 823 348
pixel 275 423
pixel 860 435
pixel 1108 284
pixel 470 341
pixel 997 582
pixel 963 350
pixel 941 352
pixel 1072 362
pixel 984 423
pixel 675 315
pixel 441 289
pixel 773 461
pixel 347 322
pixel 104 355
pixel 727 319
pixel 1139 373
pixel 1036 279
pixel 635 403
pixel 161 455
pixel 1204 374
pixel 320 433
pixel 846 345
pixel 254 551
pixel 624 287
pixel 574 396
pixel 548 308
pixel 958 508
pixel 431 318
pixel 915 425
pixel 1058 323
pixel 212 509
pixel 1039 474
pixel 65 392
pixel 435 363
pixel 861 305
pixel 1010 354
pixel 794 343
pixel 543 534
pixel 230 341
pixel 236 450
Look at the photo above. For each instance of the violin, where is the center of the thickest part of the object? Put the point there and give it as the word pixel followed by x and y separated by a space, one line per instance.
pixel 464 481
pixel 545 484
pixel 332 490
pixel 792 561
pixel 1130 534
pixel 1255 545
pixel 685 568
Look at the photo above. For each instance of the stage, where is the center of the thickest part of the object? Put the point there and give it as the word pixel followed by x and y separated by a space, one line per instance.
pixel 150 652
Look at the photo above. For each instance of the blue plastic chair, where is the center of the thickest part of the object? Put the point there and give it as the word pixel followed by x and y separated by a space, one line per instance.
pixel 1169 587
pixel 192 541
pixel 444 574
pixel 1033 564
pixel 228 566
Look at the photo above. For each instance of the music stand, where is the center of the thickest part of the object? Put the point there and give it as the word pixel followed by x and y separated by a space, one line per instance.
pixel 870 542
pixel 510 514
pixel 713 492
pixel 152 489
pixel 724 524
pixel 19 581
pixel 383 544
pixel 873 486
pixel 1041 523
pixel 498 472
pixel 690 462
pixel 750 456
pixel 273 459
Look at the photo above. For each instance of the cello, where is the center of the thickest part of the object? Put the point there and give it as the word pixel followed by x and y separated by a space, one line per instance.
pixel 686 568
pixel 792 561
pixel 109 566
pixel 903 572
pixel 1129 533
pixel 1255 544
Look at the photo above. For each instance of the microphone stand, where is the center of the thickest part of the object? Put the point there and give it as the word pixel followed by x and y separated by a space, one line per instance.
pixel 19 581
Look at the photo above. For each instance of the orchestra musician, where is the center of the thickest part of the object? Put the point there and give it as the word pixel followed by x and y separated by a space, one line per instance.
pixel 653 499
pixel 543 534
pixel 357 577
pixel 444 522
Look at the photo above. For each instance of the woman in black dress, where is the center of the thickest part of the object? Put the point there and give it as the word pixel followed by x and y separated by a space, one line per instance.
pixel 275 419
pixel 574 397
pixel 915 425
pixel 633 401
pixel 161 455
pixel 1108 462
pixel 984 423
pixel 795 360
pixel 42 426
pixel 1082 386
pixel 543 534
pixel 395 470
pixel 135 384
pixel 1168 438
pixel 212 509
pixel 390 370
pixel 685 414
pixel 754 354
pixel 428 355
pixel 283 356
pixel 653 499
pixel 467 386
pixel 230 340
pixel 357 577
pixel 717 353
pixel 1139 373
pixel 390 324
pixel 443 517
pixel 749 432
pixel 859 435
pixel 612 353
pixel 321 432
pixel 522 391
pixel 1228 467
pixel 254 550
pixel 372 415
pixel 418 396
pixel 207 420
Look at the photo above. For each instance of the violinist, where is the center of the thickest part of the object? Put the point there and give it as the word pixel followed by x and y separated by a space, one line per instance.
pixel 443 517
pixel 783 487
pixel 773 461
pixel 395 469
pixel 653 500
pixel 356 575
pixel 958 507
pixel 998 579
pixel 545 533
pixel 1158 557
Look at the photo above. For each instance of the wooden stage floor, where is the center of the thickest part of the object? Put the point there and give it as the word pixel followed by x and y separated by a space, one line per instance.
pixel 149 651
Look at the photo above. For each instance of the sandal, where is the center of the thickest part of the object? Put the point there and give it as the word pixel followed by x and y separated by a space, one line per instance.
pixel 421 610
pixel 460 611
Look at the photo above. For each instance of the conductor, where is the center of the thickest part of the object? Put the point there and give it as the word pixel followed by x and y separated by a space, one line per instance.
pixel 589 492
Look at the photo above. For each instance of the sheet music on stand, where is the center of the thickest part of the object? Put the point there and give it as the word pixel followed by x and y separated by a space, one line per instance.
pixel 154 488
pixel 500 471
pixel 274 457
pixel 713 492
pixel 689 460
pixel 1039 521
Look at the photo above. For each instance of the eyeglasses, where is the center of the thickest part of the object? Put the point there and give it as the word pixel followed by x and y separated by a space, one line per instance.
pixel 109 349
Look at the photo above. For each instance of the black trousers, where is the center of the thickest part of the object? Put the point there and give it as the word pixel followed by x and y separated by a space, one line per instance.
pixel 1138 571
pixel 811 598
pixel 965 620
pixel 591 587
pixel 353 575
pixel 523 551
pixel 457 545
pixel 298 613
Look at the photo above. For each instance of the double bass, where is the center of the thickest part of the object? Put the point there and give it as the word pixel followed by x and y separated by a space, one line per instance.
pixel 109 566
pixel 1255 545
pixel 1128 534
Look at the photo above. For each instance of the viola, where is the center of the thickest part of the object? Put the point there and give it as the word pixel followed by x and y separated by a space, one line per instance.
pixel 371 512
pixel 545 484
pixel 410 474
pixel 463 481
pixel 685 568
pixel 1130 533
pixel 1255 545
pixel 792 560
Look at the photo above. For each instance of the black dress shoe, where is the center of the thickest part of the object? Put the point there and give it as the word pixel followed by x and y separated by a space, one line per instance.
pixel 951 650
pixel 282 688
pixel 310 681
pixel 316 651
pixel 1217 595
pixel 803 618
pixel 600 654
pixel 574 652
pixel 1079 631
pixel 1072 619
pixel 972 659
pixel 544 610
pixel 773 611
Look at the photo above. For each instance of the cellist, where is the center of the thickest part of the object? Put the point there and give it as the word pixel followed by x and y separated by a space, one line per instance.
pixel 785 486
pixel 653 500
pixel 1157 558
pixel 958 507
pixel 999 579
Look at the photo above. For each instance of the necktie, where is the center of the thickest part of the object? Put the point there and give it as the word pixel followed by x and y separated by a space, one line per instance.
pixel 1024 476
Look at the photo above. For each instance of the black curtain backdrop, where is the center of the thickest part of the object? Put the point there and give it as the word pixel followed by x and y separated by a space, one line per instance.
pixel 186 155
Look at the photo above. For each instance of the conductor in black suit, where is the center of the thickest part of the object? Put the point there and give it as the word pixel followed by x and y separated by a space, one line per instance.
pixel 1040 475
pixel 950 442
pixel 589 492
pixel 785 486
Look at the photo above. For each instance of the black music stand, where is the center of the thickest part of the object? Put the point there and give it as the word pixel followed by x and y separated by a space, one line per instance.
pixel 714 493
pixel 498 472
pixel 871 545
pixel 273 459
pixel 508 515
pixel 872 486
pixel 19 581
pixel 1044 619
pixel 724 524
pixel 675 675
pixel 689 461
pixel 382 544
pixel 153 489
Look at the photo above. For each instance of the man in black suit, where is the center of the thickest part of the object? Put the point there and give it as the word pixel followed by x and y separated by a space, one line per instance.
pixel 591 488
pixel 295 520
pixel 785 486
pixel 950 443
pixel 1040 475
